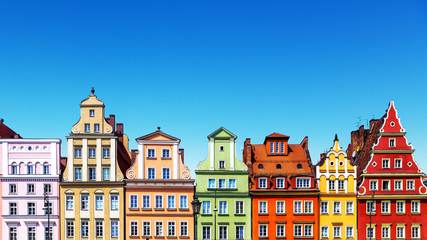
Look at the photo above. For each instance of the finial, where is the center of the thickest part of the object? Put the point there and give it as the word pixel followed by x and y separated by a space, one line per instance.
pixel 92 90
pixel 336 137
pixel 158 129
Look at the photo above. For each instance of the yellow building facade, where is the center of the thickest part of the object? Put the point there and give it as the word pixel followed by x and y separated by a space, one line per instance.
pixel 336 178
pixel 92 188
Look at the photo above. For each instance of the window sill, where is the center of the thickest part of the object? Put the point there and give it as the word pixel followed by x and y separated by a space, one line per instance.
pixel 401 213
pixel 386 214
pixel 280 237
pixel 239 214
pixel 373 214
pixel 146 209
pixel 262 214
pixel 166 158
pixel 151 158
pixel 183 209
pixel 280 214
pixel 184 237
pixel 263 237
pixel 304 214
pixel 337 213
pixel 416 213
pixel 171 209
pixel 159 209
pixel 206 214
pixel 223 214
pixel 133 209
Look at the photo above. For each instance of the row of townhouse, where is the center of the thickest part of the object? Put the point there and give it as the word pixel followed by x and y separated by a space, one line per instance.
pixel 102 190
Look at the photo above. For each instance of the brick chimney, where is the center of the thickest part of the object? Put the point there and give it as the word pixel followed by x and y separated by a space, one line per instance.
pixel 133 154
pixel 112 121
pixel 247 150
pixel 181 152
pixel 119 131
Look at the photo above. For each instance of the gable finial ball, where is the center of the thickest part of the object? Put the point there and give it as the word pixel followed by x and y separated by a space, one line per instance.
pixel 92 90
pixel 158 128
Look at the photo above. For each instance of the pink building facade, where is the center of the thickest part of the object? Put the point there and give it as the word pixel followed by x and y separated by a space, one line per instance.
pixel 29 177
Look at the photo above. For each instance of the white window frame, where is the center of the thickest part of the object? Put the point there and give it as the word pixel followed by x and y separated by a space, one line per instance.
pixel 370 185
pixel 221 164
pixel 163 173
pixel 339 231
pixel 155 202
pixel 236 203
pixel 418 232
pixel 226 232
pixel 387 235
pixel 346 207
pixel 392 140
pixel 154 151
pixel 259 207
pixel 221 204
pixel 146 225
pixel 130 201
pixel 339 209
pixel 351 232
pixel 148 172
pixel 186 201
pixel 171 223
pixel 281 225
pixel 164 150
pixel 385 204
pixel 159 230
pixel 302 230
pixel 412 183
pixel 240 226
pixel 283 183
pixel 309 204
pixel 260 180
pixel 403 208
pixel 396 161
pixel 341 185
pixel 209 208
pixel 401 185
pixel 214 183
pixel 134 229
pixel 303 183
pixel 403 231
pixel 261 233
pixel 327 207
pixel 181 227
pixel 418 206
pixel 371 211
pixel 143 196
pixel 321 232
pixel 301 209
pixel 283 208
pixel 203 232
pixel 174 202
pixel 386 163
pixel 222 180
pixel 382 185
pixel 235 183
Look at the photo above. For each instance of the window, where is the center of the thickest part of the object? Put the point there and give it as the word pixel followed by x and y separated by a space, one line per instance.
pixel 12 188
pixel 392 142
pixel 337 207
pixel 70 229
pixel 159 201
pixel 99 229
pixel 308 230
pixel 166 173
pixel 324 207
pixel 13 233
pixel 415 232
pixel 303 183
pixel 385 232
pixel 47 188
pixel 84 202
pixel 240 207
pixel 297 206
pixel 85 229
pixel 105 174
pixel 14 169
pixel 221 148
pixel 171 202
pixel 341 185
pixel 134 228
pixel 386 163
pixel 386 185
pixel 222 207
pixel 159 229
pixel 370 207
pixel 114 202
pixel 280 183
pixel 114 229
pixel 271 147
pixel 385 207
pixel 262 207
pixel 151 173
pixel 400 232
pixel 87 127
pixel 99 202
pixel 211 183
pixel 400 206
pixel 151 153
pixel 183 201
pixel 221 183
pixel 92 174
pixel 410 185
pixel 282 147
pixel 222 164
pixel 232 183
pixel 146 228
pixel 373 185
pixel 280 207
pixel 77 153
pixel 96 127
pixel 337 232
pixel 331 185
pixel 31 208
pixel 206 232
pixel 30 169
pixel 30 188
pixel 78 174
pixel 206 207
pixel 308 206
pixel 106 153
pixel 349 232
pixel 171 228
pixel 183 226
pixel 69 202
pixel 262 182
pixel 349 207
pixel 260 166
pixel 92 153
pixel 48 208
pixel 398 185
pixel 280 230
pixel 165 153
pixel 278 166
pixel 263 232
pixel 146 201
pixel 397 163
pixel 415 206
pixel 324 232
pixel 277 147
pixel 298 230
pixel 46 169
pixel 91 113
pixel 31 233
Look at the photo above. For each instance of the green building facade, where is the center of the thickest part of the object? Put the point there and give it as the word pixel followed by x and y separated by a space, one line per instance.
pixel 222 188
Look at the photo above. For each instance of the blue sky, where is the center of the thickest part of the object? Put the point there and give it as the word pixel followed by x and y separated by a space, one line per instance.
pixel 301 68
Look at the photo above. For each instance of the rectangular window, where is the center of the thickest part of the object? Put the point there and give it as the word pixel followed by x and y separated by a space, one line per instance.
pixel 78 174
pixel 221 164
pixel 133 201
pixel 166 173
pixel 386 163
pixel 263 232
pixel 84 202
pixel 337 207
pixel 222 207
pixel 385 232
pixel 92 174
pixel 14 169
pixel 297 206
pixel 70 229
pixel 13 233
pixel 69 202
pixel 385 207
pixel 48 233
pixel 30 169
pixel 114 229
pixel 277 147
pixel 99 202
pixel 341 185
pixel 324 207
pixel 211 183
pixel 370 207
pixel 31 233
pixel 159 201
pixel 400 232
pixel 280 230
pixel 221 148
pixel 105 174
pixel 171 229
pixel 87 127
pixel 96 127
pixel 159 229
pixel 349 207
pixel 415 232
pixel 77 153
pixel 114 202
pixel 133 228
pixel 206 207
pixel 324 232
pixel 280 207
pixel 165 153
pixel 373 185
pixel 303 182
pixel 331 185
pixel 410 185
pixel 206 233
pixel 397 163
pixel 92 153
pixel 151 173
pixel 282 147
pixel 84 229
pixel 183 202
pixel 415 206
pixel 146 201
pixel 30 188
pixel 308 230
pixel 12 188
pixel 48 208
pixel 47 188
pixel 99 229
pixel 106 153
pixel 171 202
pixel 221 183
pixel 280 183
pixel 91 113
pixel 308 206
pixel 398 185
pixel 183 226
pixel 298 230
pixel 46 169
pixel 271 147
pixel 31 208
pixel 337 232
pixel 232 183
pixel 386 185
pixel 151 153
pixel 240 207
pixel 400 206
pixel 262 207
pixel 146 228
pixel 392 142
pixel 262 182
pixel 349 232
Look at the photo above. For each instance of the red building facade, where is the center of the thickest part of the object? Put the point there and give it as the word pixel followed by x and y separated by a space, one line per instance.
pixel 284 192
pixel 392 195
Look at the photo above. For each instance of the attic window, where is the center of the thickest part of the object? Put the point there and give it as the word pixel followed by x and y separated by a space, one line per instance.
pixel 299 166
pixel 260 166
pixel 278 166
pixel 91 113
pixel 282 147
pixel 271 147
pixel 221 148
pixel 392 142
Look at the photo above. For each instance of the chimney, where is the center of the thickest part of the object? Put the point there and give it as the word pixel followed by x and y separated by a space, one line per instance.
pixel 181 152
pixel 133 154
pixel 247 151
pixel 119 131
pixel 372 123
pixel 112 121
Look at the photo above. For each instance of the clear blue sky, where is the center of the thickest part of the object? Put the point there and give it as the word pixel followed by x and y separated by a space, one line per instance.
pixel 301 68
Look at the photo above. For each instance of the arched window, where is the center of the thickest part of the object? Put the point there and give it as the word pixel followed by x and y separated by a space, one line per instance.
pixel 46 168
pixel 30 168
pixel 260 166
pixel 14 168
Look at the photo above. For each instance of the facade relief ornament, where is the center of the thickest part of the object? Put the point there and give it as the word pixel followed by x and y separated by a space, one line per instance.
pixel 131 174
pixel 76 129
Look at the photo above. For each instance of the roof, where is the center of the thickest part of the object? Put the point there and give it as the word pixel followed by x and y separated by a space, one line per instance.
pixel 6 132
pixel 212 135
pixel 277 135
pixel 158 132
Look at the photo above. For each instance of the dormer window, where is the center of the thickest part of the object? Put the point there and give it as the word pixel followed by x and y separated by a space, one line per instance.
pixel 282 147
pixel 299 166
pixel 392 142
pixel 303 182
pixel 262 182
pixel 87 127
pixel 92 113
pixel 260 166
pixel 271 147
pixel 277 147
pixel 222 164
pixel 221 148
pixel 280 183
pixel 278 166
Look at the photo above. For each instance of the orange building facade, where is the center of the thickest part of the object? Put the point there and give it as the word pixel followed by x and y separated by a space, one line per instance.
pixel 283 188
pixel 159 190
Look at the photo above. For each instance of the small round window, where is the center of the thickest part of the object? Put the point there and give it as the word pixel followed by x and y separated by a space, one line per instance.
pixel 278 166
pixel 30 148
pixel 392 124
pixel 332 163
pixel 299 166
pixel 261 166
pixel 341 163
